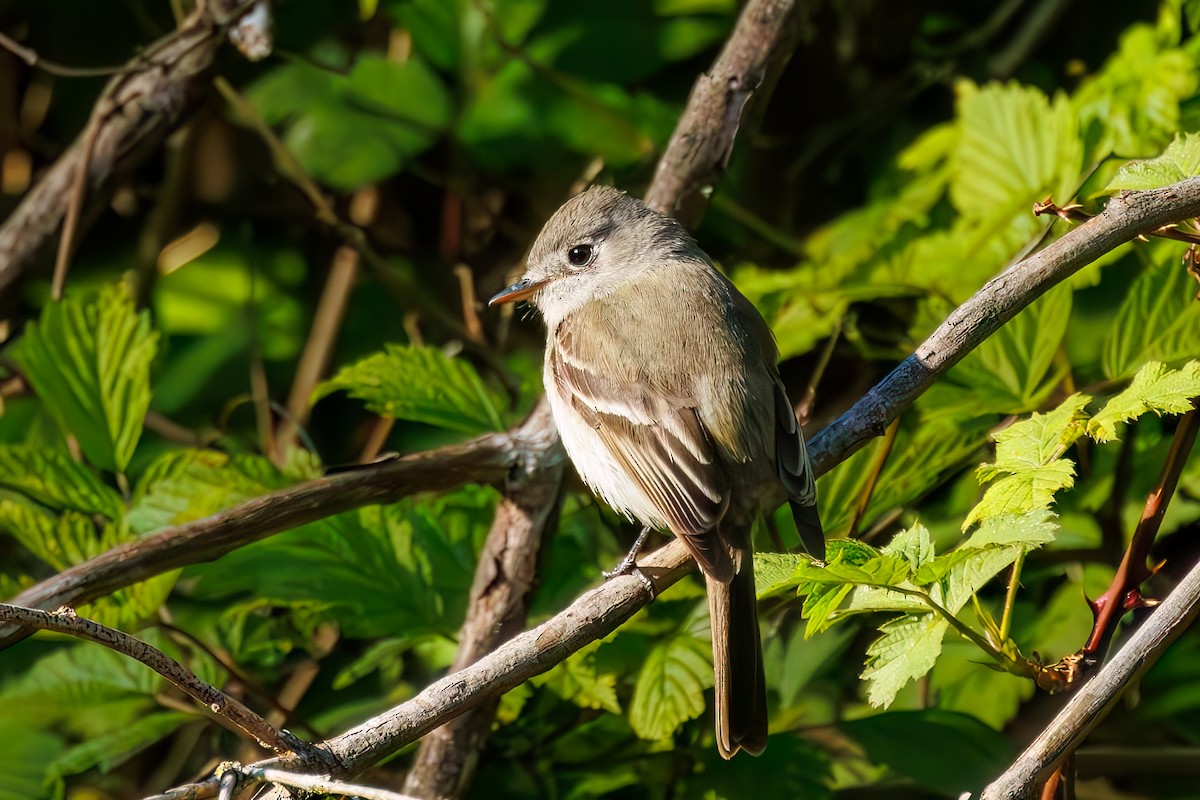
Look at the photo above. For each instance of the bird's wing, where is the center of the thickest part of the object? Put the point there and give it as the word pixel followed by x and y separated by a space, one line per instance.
pixel 796 474
pixel 658 439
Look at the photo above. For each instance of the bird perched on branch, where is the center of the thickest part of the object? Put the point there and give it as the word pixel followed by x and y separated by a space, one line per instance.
pixel 663 384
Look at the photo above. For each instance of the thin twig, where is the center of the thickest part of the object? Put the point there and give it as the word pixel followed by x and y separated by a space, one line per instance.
pixel 321 784
pixel 242 718
pixel 31 57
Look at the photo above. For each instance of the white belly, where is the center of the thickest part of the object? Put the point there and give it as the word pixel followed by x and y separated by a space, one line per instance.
pixel 592 460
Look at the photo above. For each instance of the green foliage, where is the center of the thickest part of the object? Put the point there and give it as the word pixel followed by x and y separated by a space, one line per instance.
pixel 88 359
pixel 670 686
pixel 1155 388
pixel 422 384
pixel 1180 160
pixel 466 123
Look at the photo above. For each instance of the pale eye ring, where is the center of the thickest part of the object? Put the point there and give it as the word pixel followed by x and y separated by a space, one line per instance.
pixel 581 255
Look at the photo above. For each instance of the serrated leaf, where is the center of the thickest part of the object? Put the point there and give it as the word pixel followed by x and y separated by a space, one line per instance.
pixel 1028 455
pixel 1010 373
pixel 1015 146
pixel 53 479
pixel 60 540
pixel 88 361
pixel 1155 388
pixel 185 485
pixel 907 650
pixel 776 572
pixel 1179 161
pixel 1033 529
pixel 577 680
pixel 421 384
pixel 914 545
pixel 670 687
pixel 1159 319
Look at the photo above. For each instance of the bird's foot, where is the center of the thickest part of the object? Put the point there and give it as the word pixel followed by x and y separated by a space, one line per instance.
pixel 628 564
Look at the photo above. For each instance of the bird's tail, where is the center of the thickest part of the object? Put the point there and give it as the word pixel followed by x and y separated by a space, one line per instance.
pixel 741 688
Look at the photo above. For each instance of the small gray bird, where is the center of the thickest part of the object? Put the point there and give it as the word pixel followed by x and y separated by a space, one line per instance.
pixel 662 381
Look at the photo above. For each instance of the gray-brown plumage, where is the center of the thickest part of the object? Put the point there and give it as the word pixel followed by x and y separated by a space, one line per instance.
pixel 662 380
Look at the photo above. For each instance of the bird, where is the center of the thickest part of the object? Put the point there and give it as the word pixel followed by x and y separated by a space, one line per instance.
pixel 663 383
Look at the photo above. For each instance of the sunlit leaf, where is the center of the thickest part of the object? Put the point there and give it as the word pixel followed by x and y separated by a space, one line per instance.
pixel 88 360
pixel 422 384
pixel 1155 388
pixel 1159 320
pixel 53 478
pixel 1180 160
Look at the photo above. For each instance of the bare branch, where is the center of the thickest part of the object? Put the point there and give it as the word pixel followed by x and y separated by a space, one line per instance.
pixel 139 107
pixel 1127 216
pixel 229 709
pixel 753 57
pixel 1088 706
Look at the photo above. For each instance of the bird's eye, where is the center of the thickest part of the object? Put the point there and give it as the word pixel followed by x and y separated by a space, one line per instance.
pixel 581 255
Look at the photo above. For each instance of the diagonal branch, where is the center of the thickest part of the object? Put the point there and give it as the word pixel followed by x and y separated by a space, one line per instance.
pixel 486 459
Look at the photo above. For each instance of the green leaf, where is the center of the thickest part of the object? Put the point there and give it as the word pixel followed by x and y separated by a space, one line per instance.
pixel 914 545
pixel 1155 388
pixel 182 486
pixel 422 384
pixel 1179 161
pixel 945 752
pixel 54 479
pixel 116 746
pixel 578 681
pixel 88 360
pixel 1033 529
pixel 1029 456
pixel 1010 372
pixel 670 687
pixel 25 759
pixel 907 650
pixel 1159 320
pixel 1015 147
pixel 354 129
pixel 776 572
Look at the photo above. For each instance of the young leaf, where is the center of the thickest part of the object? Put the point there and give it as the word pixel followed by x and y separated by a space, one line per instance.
pixel 54 479
pixel 1180 160
pixel 1029 457
pixel 1159 320
pixel 907 650
pixel 670 687
pixel 88 360
pixel 1155 388
pixel 422 384
pixel 185 485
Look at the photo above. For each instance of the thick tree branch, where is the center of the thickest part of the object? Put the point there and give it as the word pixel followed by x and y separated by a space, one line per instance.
pixel 752 60
pixel 1126 216
pixel 143 103
pixel 487 459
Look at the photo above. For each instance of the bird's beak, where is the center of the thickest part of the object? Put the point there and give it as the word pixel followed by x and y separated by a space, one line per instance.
pixel 520 290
